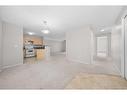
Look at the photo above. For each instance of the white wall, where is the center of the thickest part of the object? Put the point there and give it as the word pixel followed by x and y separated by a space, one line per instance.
pixel 78 45
pixel 0 45
pixel 12 45
pixel 64 46
pixel 116 47
pixel 55 46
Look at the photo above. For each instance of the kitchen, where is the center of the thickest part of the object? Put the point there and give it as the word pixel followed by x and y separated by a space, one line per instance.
pixel 34 48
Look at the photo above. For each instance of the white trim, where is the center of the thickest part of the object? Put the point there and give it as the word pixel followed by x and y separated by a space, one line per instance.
pixel 77 61
pixel 1 43
pixel 8 66
pixel 92 48
pixel 116 67
pixel 123 50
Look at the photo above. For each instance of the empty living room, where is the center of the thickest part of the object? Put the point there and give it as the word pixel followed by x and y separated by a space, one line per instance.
pixel 63 47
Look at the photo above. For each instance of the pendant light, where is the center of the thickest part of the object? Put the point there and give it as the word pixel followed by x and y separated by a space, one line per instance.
pixel 45 29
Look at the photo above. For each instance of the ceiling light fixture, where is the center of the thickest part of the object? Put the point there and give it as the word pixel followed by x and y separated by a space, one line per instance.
pixel 45 29
pixel 30 33
pixel 102 30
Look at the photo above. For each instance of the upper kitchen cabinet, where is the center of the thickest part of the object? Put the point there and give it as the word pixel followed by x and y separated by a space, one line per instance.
pixel 37 40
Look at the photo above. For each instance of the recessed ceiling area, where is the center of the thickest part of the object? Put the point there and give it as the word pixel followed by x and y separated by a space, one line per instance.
pixel 60 19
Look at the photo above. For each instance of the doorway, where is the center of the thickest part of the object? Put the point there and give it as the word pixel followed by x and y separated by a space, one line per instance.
pixel 102 46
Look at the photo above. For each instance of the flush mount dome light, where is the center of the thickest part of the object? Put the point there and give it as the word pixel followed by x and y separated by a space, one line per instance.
pixel 102 30
pixel 30 33
pixel 45 29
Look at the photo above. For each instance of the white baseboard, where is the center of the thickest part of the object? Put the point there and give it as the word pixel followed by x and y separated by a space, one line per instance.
pixel 116 67
pixel 78 61
pixel 8 66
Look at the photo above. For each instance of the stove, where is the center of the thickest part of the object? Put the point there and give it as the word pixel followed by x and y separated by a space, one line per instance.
pixel 29 51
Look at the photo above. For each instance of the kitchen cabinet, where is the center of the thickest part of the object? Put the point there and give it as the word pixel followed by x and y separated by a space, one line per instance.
pixel 36 40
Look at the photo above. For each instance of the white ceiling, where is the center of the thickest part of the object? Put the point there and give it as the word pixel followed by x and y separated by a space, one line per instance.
pixel 60 19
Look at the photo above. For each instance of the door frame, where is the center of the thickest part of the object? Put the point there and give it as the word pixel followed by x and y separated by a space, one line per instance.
pixel 123 49
pixel 106 43
pixel 108 35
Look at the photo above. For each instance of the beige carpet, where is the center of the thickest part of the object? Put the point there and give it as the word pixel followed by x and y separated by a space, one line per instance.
pixel 55 73
pixel 97 81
